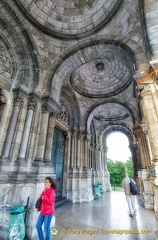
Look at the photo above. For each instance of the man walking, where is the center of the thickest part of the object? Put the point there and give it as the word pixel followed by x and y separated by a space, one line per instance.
pixel 129 197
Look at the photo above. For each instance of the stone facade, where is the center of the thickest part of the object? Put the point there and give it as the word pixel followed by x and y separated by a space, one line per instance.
pixel 75 66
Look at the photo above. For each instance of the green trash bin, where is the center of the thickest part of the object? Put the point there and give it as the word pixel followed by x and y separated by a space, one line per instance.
pixel 16 226
pixel 101 187
pixel 97 191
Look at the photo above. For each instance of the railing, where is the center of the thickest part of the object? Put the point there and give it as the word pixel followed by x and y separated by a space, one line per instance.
pixel 116 187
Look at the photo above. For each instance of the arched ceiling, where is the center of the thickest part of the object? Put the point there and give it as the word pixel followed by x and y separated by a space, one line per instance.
pixel 68 19
pixel 17 55
pixel 110 111
pixel 102 77
pixel 110 114
pixel 100 70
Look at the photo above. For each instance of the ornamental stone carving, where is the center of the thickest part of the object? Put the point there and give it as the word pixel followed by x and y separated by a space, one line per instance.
pixel 5 63
pixel 63 116
pixel 18 100
pixel 32 104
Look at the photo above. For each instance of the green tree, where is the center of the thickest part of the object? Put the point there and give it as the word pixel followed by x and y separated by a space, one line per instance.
pixel 117 169
pixel 129 168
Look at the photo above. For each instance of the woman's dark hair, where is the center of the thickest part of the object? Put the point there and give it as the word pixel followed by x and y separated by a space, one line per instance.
pixel 53 183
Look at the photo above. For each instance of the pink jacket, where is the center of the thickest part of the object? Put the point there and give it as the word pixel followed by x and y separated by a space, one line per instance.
pixel 48 200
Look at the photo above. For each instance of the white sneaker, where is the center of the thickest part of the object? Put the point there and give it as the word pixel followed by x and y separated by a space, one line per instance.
pixel 135 212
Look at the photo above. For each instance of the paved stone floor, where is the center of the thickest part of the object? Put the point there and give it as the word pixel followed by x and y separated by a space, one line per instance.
pixel 107 213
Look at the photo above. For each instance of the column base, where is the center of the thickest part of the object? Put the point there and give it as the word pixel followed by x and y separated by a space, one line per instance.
pixel 4 161
pixel 47 162
pixel 107 185
pixel 20 162
pixel 38 162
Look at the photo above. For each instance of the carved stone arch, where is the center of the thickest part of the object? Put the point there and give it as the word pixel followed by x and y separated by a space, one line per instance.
pixel 18 42
pixel 75 57
pixel 7 51
pixel 74 19
pixel 113 128
pixel 93 110
pixel 131 138
pixel 70 101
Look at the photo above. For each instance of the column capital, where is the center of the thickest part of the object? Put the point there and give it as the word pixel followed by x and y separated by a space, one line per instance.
pixel 18 100
pixel 32 104
pixel 3 99
pixel 146 91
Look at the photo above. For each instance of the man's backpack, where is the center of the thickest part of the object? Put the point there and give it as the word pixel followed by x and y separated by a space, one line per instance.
pixel 133 188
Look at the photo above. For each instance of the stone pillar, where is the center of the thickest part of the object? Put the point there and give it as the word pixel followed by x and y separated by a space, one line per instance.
pixel 25 137
pixel 75 149
pixel 149 146
pixel 68 148
pixel 86 153
pixel 99 158
pixel 151 119
pixel 78 151
pixel 72 150
pixel 11 129
pixel 82 149
pixel 3 117
pixel 143 150
pixel 49 142
pixel 107 185
pixel 38 161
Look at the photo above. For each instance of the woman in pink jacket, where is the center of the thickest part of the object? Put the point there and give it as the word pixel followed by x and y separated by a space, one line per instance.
pixel 46 208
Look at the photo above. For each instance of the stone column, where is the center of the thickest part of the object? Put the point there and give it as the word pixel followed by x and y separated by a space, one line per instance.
pixel 86 152
pixel 75 149
pixel 72 150
pixel 149 146
pixel 38 161
pixel 68 148
pixel 143 150
pixel 82 144
pixel 11 129
pixel 49 142
pixel 99 158
pixel 78 151
pixel 107 185
pixel 151 119
pixel 25 137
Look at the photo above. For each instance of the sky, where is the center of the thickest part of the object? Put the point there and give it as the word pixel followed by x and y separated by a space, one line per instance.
pixel 118 149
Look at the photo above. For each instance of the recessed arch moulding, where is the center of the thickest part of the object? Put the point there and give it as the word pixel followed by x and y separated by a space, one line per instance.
pixel 131 138
pixel 114 77
pixel 110 114
pixel 19 64
pixel 69 19
pixel 117 128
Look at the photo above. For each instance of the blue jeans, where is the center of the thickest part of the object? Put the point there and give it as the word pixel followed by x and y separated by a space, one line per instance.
pixel 47 220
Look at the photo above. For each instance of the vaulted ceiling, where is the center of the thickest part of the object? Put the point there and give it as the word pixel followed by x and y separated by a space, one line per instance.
pixel 90 53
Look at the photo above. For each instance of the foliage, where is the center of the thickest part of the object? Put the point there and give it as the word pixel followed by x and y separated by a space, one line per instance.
pixel 117 169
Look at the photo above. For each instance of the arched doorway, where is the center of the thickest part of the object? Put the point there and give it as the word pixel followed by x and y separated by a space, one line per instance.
pixel 119 159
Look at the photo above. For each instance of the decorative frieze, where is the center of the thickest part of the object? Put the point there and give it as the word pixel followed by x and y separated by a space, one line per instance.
pixel 5 61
